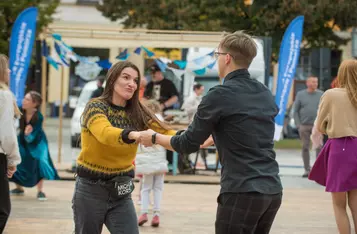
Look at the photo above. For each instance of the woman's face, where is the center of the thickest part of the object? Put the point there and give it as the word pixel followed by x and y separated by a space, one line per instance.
pixel 126 84
pixel 28 103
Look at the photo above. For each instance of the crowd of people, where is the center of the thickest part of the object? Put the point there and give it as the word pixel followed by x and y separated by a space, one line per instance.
pixel 124 134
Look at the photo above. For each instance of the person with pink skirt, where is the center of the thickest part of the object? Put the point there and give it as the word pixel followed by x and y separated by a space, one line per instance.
pixel 336 166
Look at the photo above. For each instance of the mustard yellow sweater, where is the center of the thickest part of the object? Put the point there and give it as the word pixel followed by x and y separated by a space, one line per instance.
pixel 106 149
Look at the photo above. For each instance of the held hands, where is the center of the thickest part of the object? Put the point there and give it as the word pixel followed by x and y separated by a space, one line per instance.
pixel 143 137
pixel 146 137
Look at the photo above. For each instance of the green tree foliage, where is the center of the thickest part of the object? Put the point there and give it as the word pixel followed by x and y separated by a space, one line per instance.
pixel 261 18
pixel 10 9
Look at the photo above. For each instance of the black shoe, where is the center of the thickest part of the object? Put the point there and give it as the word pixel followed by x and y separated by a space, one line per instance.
pixel 17 192
pixel 306 174
pixel 41 196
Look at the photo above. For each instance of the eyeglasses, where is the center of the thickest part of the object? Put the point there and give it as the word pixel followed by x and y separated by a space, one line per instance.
pixel 217 54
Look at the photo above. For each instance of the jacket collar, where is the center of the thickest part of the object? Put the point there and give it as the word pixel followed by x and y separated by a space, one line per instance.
pixel 239 73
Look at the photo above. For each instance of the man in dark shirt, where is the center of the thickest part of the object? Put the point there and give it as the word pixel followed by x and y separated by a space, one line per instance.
pixel 161 89
pixel 240 116
pixel 98 92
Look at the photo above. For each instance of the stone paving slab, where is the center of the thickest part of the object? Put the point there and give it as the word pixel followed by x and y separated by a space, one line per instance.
pixel 185 209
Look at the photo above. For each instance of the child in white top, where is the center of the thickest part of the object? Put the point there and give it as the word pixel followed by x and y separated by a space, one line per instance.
pixel 152 164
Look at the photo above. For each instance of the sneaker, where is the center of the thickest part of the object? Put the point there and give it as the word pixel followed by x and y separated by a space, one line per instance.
pixel 17 192
pixel 155 221
pixel 41 196
pixel 143 219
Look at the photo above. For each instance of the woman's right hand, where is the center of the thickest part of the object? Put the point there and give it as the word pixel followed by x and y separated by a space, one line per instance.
pixel 133 135
pixel 10 171
pixel 28 130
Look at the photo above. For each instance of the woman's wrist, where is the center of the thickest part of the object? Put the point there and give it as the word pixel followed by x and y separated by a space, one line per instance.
pixel 134 135
pixel 129 136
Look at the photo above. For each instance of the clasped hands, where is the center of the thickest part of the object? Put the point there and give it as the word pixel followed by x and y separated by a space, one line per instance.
pixel 145 138
pixel 142 137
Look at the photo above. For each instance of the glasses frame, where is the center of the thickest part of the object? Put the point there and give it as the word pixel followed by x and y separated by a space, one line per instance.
pixel 217 54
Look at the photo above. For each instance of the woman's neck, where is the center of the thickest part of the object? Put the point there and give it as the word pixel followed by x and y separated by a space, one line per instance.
pixel 29 115
pixel 30 111
pixel 118 101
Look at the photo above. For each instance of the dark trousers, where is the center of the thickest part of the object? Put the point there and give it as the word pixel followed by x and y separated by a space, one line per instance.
pixel 246 213
pixel 5 205
pixel 93 206
pixel 169 156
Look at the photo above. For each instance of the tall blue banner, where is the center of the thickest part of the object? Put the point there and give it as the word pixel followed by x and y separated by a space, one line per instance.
pixel 288 59
pixel 21 42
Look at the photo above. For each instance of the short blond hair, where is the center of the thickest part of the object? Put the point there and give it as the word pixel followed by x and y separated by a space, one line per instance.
pixel 240 46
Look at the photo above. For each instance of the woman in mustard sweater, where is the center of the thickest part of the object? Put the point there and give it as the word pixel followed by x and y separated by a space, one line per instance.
pixel 110 129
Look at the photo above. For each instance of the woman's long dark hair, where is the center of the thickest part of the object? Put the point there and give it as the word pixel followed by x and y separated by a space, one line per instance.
pixel 139 115
pixel 36 98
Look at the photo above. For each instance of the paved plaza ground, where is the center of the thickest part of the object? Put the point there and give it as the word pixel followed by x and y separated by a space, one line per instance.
pixel 186 208
pixel 189 202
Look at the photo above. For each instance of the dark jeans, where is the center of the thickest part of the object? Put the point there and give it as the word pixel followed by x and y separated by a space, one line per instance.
pixel 93 206
pixel 5 205
pixel 246 213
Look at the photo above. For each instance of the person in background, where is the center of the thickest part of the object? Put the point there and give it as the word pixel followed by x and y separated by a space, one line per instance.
pixel 36 162
pixel 306 105
pixel 336 165
pixel 151 162
pixel 164 91
pixel 143 83
pixel 190 105
pixel 9 149
pixel 98 92
pixel 161 89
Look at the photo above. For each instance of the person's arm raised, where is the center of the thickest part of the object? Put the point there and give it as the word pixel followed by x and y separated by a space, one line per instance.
pixel 96 121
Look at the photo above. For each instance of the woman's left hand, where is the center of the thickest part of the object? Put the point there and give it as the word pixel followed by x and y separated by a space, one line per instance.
pixel 316 138
pixel 28 129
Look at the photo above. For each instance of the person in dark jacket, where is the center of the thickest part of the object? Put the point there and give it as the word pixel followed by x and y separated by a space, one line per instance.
pixel 240 116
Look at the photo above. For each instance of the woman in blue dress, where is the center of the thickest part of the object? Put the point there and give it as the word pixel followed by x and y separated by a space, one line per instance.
pixel 36 162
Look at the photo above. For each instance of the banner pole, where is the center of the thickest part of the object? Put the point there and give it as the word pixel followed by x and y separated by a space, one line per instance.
pixel 60 118
pixel 44 85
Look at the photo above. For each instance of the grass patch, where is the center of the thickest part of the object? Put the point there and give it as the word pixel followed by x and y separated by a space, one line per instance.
pixel 288 144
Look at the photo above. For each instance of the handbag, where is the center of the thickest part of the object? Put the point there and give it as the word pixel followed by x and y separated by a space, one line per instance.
pixel 122 187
